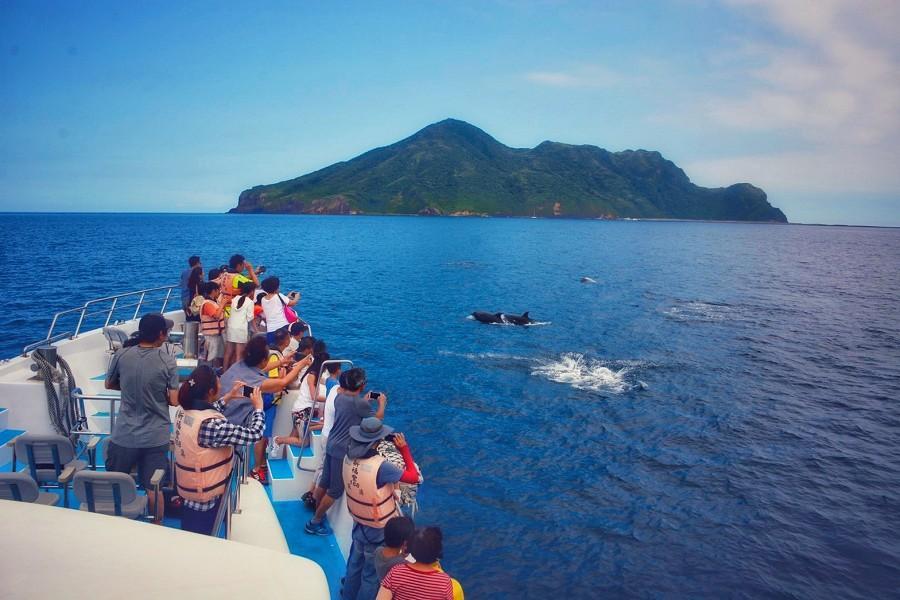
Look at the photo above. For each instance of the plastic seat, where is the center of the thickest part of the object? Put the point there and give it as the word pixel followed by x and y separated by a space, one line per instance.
pixel 109 494
pixel 22 488
pixel 50 459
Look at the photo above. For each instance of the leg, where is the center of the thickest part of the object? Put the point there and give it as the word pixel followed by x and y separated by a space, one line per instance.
pixel 149 460
pixel 228 359
pixel 355 564
pixel 239 352
pixel 369 583
pixel 335 484
pixel 199 521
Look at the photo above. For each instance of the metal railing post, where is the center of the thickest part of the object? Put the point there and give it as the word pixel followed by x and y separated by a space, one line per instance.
pixel 80 321
pixel 166 300
pixel 306 435
pixel 138 309
pixel 112 309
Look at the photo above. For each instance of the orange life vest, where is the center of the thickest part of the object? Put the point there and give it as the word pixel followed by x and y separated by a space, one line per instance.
pixel 211 325
pixel 201 473
pixel 368 504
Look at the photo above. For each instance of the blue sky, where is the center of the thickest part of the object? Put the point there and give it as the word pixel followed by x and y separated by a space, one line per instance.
pixel 153 106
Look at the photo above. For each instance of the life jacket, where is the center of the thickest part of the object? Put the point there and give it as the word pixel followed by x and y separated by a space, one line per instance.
pixel 368 504
pixel 201 473
pixel 272 399
pixel 211 325
pixel 230 288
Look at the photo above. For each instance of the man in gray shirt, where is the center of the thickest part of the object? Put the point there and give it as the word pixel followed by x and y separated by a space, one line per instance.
pixel 148 378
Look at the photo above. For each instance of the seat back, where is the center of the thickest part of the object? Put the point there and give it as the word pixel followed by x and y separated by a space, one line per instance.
pixel 104 492
pixel 45 455
pixel 115 336
pixel 18 486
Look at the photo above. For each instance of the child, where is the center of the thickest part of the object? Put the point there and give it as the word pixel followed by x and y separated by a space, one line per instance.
pixel 236 333
pixel 325 390
pixel 397 532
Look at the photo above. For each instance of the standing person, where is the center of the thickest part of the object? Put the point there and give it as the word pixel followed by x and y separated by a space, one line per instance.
pixel 186 296
pixel 301 411
pixel 397 533
pixel 204 445
pixel 251 371
pixel 275 306
pixel 147 376
pixel 234 277
pixel 423 579
pixel 236 332
pixel 350 408
pixel 194 285
pixel 212 324
pixel 331 389
pixel 370 482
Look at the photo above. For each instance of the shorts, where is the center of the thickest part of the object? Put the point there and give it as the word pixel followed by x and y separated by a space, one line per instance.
pixel 237 335
pixel 300 418
pixel 270 335
pixel 215 347
pixel 270 421
pixel 333 476
pixel 120 459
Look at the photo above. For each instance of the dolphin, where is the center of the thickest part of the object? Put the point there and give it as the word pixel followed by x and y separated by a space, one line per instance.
pixel 588 280
pixel 504 318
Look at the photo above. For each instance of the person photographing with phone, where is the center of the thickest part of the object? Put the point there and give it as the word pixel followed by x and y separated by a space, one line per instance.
pixel 252 372
pixel 351 406
pixel 205 441
pixel 277 308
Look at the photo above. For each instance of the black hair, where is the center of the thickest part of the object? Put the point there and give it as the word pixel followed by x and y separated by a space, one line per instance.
pixel 256 351
pixel 333 368
pixel 319 346
pixel 235 260
pixel 426 545
pixel 193 392
pixel 397 531
pixel 298 328
pixel 306 343
pixel 214 274
pixel 150 326
pixel 279 337
pixel 194 261
pixel 195 279
pixel 316 365
pixel 208 288
pixel 353 380
pixel 270 284
pixel 246 289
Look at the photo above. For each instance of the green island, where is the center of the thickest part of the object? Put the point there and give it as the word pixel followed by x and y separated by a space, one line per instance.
pixel 455 168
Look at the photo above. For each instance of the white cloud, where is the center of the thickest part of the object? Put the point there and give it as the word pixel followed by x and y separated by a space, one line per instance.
pixel 586 76
pixel 832 82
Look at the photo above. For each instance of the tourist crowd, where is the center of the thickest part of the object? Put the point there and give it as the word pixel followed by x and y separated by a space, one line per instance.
pixel 256 353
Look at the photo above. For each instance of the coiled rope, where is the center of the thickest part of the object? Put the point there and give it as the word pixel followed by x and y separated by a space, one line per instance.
pixel 60 402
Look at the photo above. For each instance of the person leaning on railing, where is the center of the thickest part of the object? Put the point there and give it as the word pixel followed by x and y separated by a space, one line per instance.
pixel 204 445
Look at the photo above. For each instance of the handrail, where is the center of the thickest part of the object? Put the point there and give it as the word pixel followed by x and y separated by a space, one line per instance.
pixel 306 435
pixel 83 310
pixel 47 340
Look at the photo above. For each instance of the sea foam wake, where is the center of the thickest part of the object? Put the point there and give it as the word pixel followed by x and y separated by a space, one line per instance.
pixel 583 373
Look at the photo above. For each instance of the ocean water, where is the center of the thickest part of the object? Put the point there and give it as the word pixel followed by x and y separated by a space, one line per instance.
pixel 716 416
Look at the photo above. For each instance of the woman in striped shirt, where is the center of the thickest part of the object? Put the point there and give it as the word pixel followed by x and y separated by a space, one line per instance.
pixel 423 579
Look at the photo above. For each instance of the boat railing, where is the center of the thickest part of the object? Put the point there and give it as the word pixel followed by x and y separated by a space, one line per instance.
pixel 107 308
pixel 231 501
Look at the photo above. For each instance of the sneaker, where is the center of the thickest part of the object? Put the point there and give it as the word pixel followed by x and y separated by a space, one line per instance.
pixel 261 475
pixel 316 528
pixel 308 501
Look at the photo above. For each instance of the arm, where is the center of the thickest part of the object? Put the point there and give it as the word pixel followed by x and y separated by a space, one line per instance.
pixel 172 370
pixel 218 433
pixel 251 272
pixel 173 398
pixel 112 374
pixel 411 474
pixel 276 385
pixel 384 594
pixel 382 404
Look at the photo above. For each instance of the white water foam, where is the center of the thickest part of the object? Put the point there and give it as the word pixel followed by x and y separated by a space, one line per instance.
pixel 699 311
pixel 583 373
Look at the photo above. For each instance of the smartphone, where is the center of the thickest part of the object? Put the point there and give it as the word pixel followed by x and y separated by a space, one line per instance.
pixel 374 395
pixel 292 295
pixel 247 391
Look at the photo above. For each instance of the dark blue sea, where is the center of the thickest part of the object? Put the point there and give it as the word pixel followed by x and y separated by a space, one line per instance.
pixel 717 416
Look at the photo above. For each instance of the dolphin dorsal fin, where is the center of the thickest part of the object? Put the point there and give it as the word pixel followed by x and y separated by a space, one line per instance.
pixel 525 315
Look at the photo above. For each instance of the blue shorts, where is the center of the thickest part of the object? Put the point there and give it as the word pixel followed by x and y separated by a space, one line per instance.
pixel 270 421
pixel 270 335
pixel 332 478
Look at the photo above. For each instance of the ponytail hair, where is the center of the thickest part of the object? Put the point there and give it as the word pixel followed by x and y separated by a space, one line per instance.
pixel 246 289
pixel 193 393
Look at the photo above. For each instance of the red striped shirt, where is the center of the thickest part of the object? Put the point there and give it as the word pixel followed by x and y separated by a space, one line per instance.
pixel 408 584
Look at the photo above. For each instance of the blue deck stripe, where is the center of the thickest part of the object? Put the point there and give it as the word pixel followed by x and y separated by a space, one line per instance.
pixel 280 469
pixel 8 434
